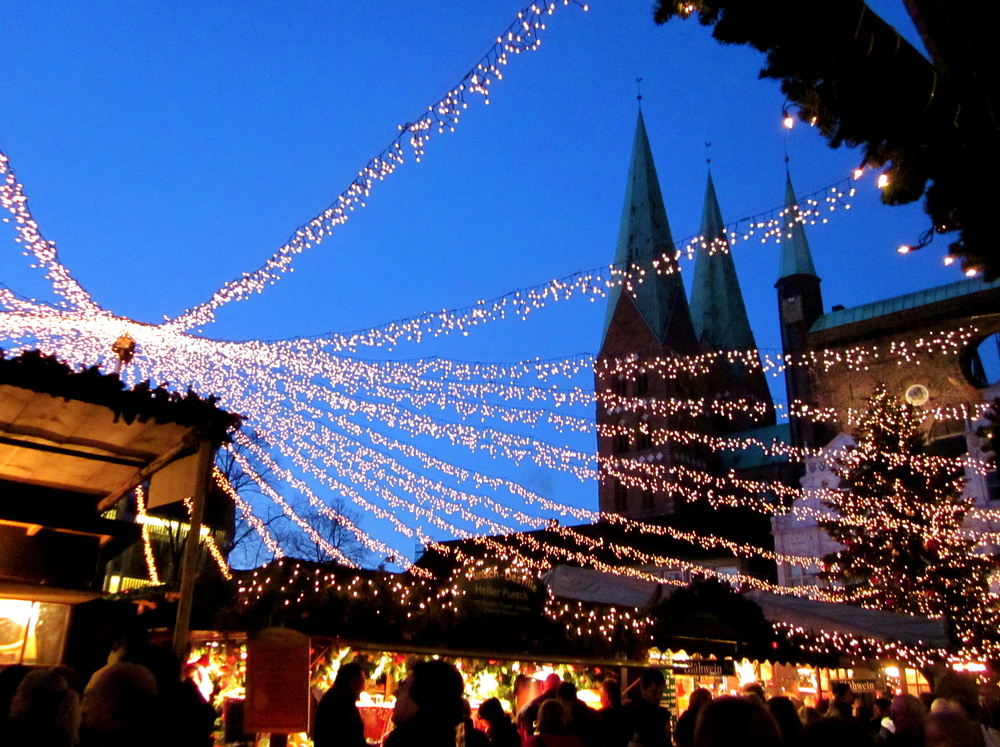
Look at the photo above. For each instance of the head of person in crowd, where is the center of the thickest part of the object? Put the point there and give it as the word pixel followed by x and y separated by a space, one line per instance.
pixel 45 710
pixel 700 697
pixel 951 728
pixel 908 714
pixel 551 717
pixel 947 705
pixel 161 661
pixel 754 688
pixel 492 712
pixel 835 732
pixel 786 716
pixel 350 680
pixel 566 694
pixel 963 688
pixel 861 710
pixel 843 700
pixel 552 682
pixel 880 708
pixel 736 720
pixel 652 683
pixel 684 730
pixel 808 714
pixel 434 690
pixel 119 699
pixel 611 694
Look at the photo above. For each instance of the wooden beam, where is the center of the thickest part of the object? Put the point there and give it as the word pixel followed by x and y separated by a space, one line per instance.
pixel 189 561
pixel 189 441
pixel 32 529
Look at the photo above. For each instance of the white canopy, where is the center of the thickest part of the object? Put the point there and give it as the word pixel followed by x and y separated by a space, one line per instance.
pixel 588 585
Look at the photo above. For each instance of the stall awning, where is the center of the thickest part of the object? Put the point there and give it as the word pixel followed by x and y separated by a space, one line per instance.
pixel 850 620
pixel 587 585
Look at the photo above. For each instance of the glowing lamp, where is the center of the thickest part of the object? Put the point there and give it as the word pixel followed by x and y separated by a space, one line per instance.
pixel 905 249
pixel 883 181
pixel 788 120
pixel 124 348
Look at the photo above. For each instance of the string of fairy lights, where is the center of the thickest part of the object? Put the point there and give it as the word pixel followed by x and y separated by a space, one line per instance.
pixel 366 431
pixel 522 35
pixel 396 416
pixel 238 354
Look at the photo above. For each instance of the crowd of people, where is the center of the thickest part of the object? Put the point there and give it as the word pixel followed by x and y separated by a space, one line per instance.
pixel 431 711
pixel 957 714
pixel 142 699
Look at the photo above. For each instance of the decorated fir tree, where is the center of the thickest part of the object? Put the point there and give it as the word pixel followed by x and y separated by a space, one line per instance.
pixel 899 515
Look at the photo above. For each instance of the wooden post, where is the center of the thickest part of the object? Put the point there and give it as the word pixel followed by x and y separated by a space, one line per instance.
pixel 189 561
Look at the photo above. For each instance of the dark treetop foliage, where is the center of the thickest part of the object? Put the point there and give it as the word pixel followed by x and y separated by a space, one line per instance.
pixel 931 123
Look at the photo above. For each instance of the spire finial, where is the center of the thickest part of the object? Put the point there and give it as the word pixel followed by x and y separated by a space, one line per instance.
pixel 638 89
pixel 708 155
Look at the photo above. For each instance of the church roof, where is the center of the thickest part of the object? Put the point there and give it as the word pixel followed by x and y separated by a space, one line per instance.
pixel 718 312
pixel 796 259
pixel 888 306
pixel 644 240
pixel 752 456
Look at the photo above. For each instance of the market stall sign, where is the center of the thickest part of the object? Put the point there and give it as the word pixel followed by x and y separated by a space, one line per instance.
pixel 861 686
pixel 705 668
pixel 501 596
pixel 277 682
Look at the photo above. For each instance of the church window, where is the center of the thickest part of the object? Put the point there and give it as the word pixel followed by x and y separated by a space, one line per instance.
pixel 619 443
pixel 993 485
pixel 621 497
pixel 648 499
pixel 643 441
pixel 621 387
pixel 642 384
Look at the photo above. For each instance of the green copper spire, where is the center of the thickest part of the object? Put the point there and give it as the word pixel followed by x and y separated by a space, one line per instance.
pixel 643 241
pixel 717 308
pixel 796 259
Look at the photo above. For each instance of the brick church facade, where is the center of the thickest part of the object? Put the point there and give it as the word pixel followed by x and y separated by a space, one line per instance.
pixel 657 423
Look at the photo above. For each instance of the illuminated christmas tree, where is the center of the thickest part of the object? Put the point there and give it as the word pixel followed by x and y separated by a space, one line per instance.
pixel 899 515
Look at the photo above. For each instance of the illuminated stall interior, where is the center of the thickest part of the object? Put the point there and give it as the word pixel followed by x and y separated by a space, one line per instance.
pixel 72 444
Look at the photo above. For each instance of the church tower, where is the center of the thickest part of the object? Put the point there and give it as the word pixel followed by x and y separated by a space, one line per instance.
pixel 645 253
pixel 647 320
pixel 720 320
pixel 800 304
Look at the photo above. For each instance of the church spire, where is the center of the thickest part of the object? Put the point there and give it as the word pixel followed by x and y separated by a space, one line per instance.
pixel 718 311
pixel 717 308
pixel 796 259
pixel 644 241
pixel 800 303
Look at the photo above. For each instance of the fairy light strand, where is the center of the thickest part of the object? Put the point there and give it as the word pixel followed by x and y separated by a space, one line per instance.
pixel 522 35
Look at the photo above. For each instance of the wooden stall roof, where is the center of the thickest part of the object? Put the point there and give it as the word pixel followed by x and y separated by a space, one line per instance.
pixel 80 447
pixel 83 433
pixel 71 444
